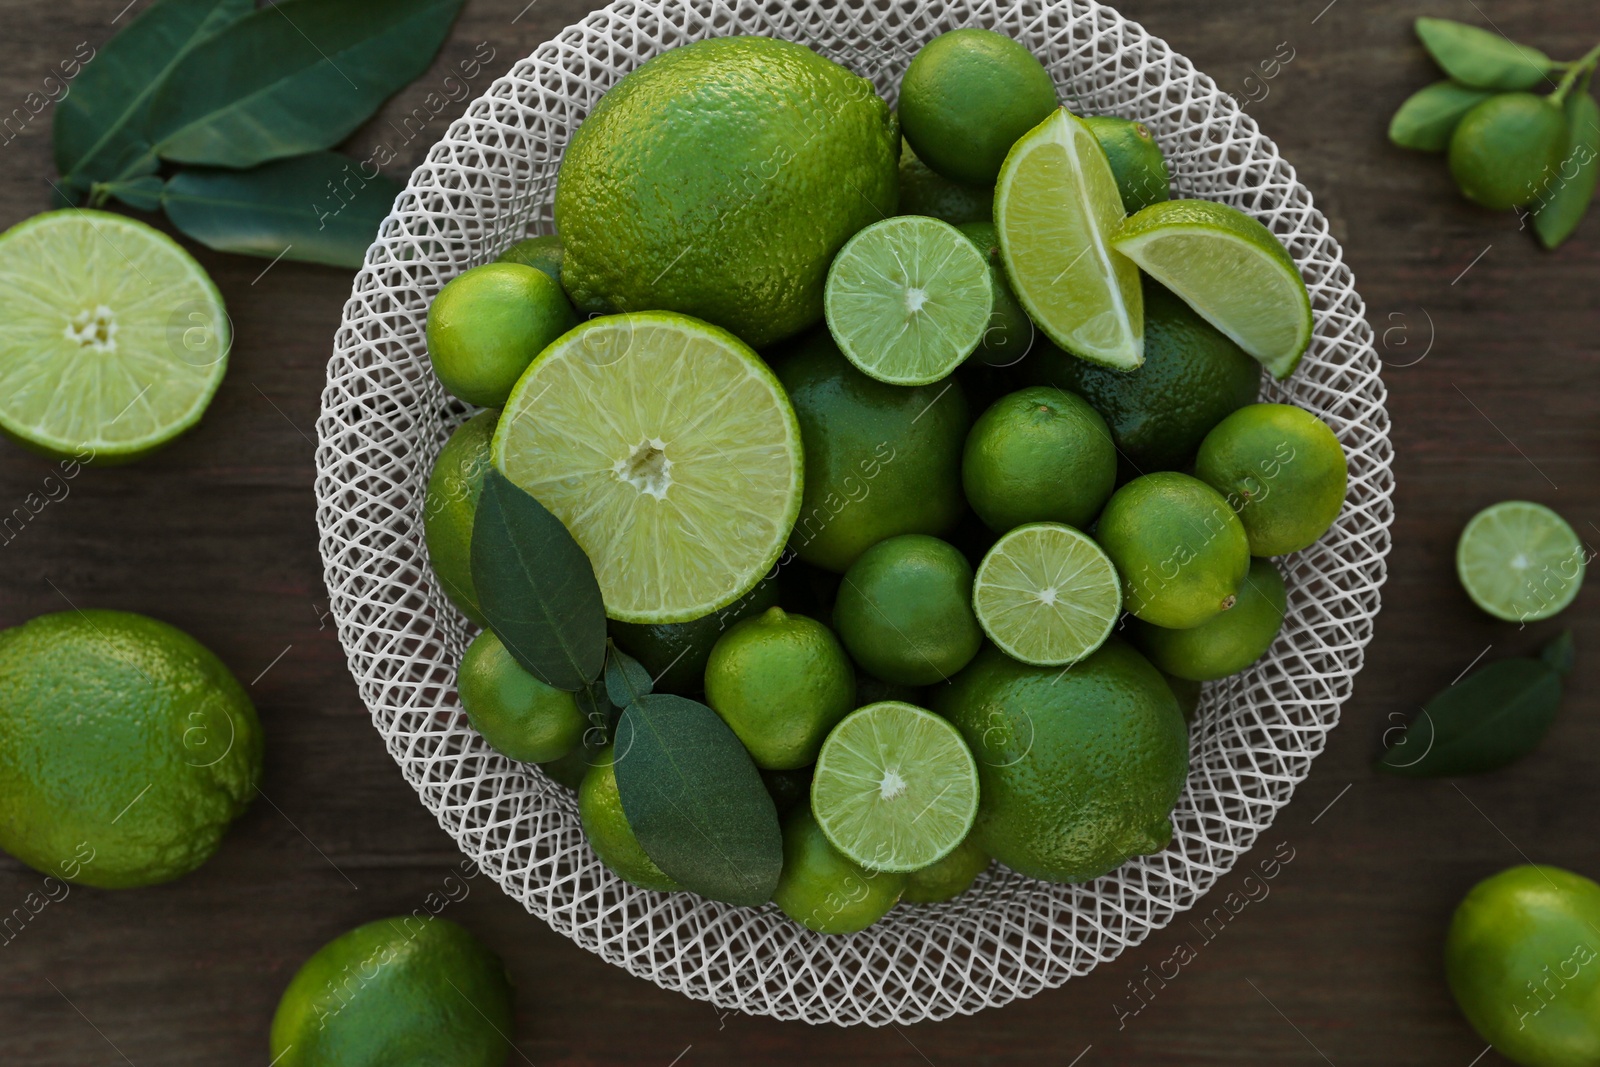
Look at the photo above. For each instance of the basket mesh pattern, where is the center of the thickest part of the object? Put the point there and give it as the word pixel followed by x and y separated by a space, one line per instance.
pixel 384 416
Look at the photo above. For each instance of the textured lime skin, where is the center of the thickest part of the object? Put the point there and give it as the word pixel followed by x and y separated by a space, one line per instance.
pixel 881 459
pixel 449 507
pixel 966 98
pixel 405 990
pixel 924 191
pixel 1523 960
pixel 487 324
pixel 1179 547
pixel 675 653
pixel 1040 454
pixel 905 610
pixel 517 714
pixel 544 252
pixel 1282 469
pixel 1505 149
pixel 822 890
pixel 719 179
pixel 606 827
pixel 1135 158
pixel 1078 769
pixel 1010 334
pixel 126 748
pixel 948 878
pixel 1228 643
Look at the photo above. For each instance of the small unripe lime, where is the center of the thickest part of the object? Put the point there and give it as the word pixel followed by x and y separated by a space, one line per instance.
pixel 486 325
pixel 905 610
pixel 1506 148
pixel 516 713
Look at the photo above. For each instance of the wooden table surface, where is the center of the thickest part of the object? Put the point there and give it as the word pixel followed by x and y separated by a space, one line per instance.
pixel 1492 361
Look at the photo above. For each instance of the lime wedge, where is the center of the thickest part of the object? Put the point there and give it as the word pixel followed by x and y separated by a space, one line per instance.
pixel 908 299
pixel 1046 594
pixel 1520 561
pixel 1232 270
pixel 670 452
pixel 895 787
pixel 1057 207
pixel 115 339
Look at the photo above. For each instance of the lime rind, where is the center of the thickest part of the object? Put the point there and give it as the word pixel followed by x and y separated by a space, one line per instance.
pixel 895 787
pixel 1047 595
pixel 1520 561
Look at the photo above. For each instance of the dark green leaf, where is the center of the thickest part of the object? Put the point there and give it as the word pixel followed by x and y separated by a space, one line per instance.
pixel 1481 58
pixel 536 587
pixel 1426 121
pixel 100 124
pixel 142 193
pixel 1492 717
pixel 626 678
pixel 1557 655
pixel 696 801
pixel 293 77
pixel 1572 189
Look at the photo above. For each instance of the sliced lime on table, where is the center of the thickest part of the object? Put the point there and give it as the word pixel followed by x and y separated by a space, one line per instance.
pixel 908 299
pixel 1231 269
pixel 1046 594
pixel 895 787
pixel 115 339
pixel 670 452
pixel 1057 207
pixel 1520 561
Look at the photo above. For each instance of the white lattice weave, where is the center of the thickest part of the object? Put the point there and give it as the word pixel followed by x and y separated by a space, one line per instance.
pixel 384 417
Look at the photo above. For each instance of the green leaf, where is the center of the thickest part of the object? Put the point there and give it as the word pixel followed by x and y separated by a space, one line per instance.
pixel 320 207
pixel 100 123
pixel 1572 189
pixel 626 678
pixel 696 801
pixel 536 587
pixel 1426 120
pixel 142 193
pixel 1481 59
pixel 1557 655
pixel 293 77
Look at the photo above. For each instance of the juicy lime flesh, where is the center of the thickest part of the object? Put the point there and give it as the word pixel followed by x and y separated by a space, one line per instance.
pixel 115 338
pixel 1056 207
pixel 1047 595
pixel 1520 561
pixel 895 787
pixel 668 450
pixel 908 299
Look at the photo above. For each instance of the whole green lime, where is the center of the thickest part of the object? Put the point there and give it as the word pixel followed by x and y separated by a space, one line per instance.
pixel 966 98
pixel 1179 547
pixel 675 653
pixel 905 610
pixel 1135 158
pixel 881 459
pixel 924 191
pixel 1040 454
pixel 517 714
pixel 1505 150
pixel 1523 960
pixel 126 748
pixel 948 878
pixel 1282 469
pixel 1010 334
pixel 606 827
pixel 719 179
pixel 823 890
pixel 449 506
pixel 542 253
pixel 487 324
pixel 780 682
pixel 1227 643
pixel 1078 769
pixel 405 990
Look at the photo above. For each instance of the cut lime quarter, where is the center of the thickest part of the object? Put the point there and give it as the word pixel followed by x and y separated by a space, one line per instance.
pixel 908 299
pixel 669 451
pixel 1520 561
pixel 1047 595
pixel 895 787
pixel 115 339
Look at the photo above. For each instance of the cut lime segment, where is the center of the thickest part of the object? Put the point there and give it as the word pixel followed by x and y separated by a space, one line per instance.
pixel 1520 561
pixel 1057 207
pixel 1047 595
pixel 115 339
pixel 908 299
pixel 1232 270
pixel 895 787
pixel 670 452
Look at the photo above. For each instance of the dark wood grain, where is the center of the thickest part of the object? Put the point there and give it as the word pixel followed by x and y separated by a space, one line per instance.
pixel 1339 962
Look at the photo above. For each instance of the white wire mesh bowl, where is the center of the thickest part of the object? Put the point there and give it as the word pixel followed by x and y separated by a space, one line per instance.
pixel 489 182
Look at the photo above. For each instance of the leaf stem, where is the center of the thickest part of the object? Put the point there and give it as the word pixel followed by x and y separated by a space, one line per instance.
pixel 1574 69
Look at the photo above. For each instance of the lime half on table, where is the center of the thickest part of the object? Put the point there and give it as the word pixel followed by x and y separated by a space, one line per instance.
pixel 115 339
pixel 1520 561
pixel 1047 595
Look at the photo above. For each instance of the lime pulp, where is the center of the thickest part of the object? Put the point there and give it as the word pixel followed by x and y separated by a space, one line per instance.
pixel 1047 595
pixel 1520 561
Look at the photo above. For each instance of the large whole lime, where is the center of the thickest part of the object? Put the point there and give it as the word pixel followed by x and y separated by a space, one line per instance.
pixel 719 179
pixel 450 505
pixel 1523 960
pixel 1040 454
pixel 126 748
pixel 905 610
pixel 1282 469
pixel 1507 148
pixel 1078 769
pixel 397 991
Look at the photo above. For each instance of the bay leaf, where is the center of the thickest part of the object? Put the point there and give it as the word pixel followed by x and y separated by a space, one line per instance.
pixel 1428 118
pixel 1571 190
pixel 1482 58
pixel 626 678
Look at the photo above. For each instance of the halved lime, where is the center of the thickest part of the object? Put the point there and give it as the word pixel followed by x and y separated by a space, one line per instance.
pixel 895 787
pixel 670 452
pixel 908 299
pixel 1520 561
pixel 1231 269
pixel 115 339
pixel 1057 207
pixel 1046 594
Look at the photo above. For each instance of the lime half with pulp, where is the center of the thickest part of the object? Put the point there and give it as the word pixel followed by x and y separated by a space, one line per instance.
pixel 895 787
pixel 115 338
pixel 1520 561
pixel 1047 595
